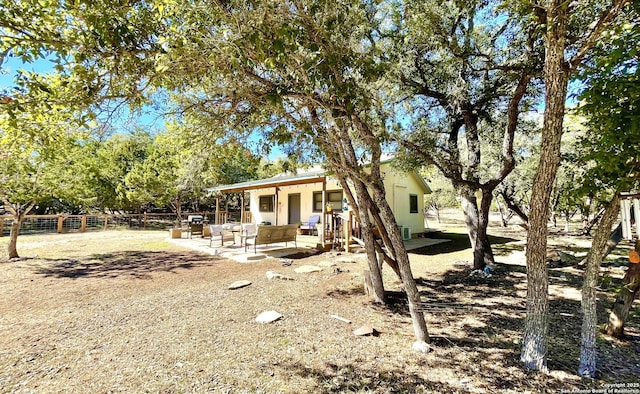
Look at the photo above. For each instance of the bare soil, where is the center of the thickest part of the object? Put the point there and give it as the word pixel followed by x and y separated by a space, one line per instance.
pixel 127 311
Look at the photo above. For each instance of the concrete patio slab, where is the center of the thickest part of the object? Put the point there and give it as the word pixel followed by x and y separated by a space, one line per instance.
pixel 305 243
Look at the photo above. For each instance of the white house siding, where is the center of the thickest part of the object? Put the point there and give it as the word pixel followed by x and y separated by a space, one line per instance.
pixel 282 205
pixel 398 185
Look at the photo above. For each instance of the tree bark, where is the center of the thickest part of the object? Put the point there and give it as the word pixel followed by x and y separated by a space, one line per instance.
pixel 614 239
pixel 12 248
pixel 624 300
pixel 19 212
pixel 588 349
pixel 375 274
pixel 515 208
pixel 534 345
pixel 402 258
pixel 477 221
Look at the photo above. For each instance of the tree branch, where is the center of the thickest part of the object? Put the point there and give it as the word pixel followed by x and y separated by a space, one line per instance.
pixel 603 22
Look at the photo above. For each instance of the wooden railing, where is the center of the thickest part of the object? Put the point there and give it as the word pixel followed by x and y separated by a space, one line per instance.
pixel 341 229
pixel 233 217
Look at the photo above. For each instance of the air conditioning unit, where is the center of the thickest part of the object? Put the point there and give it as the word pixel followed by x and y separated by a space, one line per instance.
pixel 406 232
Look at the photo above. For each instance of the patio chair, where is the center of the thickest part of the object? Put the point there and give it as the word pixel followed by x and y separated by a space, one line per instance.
pixel 310 226
pixel 249 231
pixel 218 232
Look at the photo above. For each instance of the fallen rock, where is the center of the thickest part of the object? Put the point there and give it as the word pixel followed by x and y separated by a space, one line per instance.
pixel 268 317
pixel 303 269
pixel 275 275
pixel 286 262
pixel 421 346
pixel 326 263
pixel 367 329
pixel 342 319
pixel 346 260
pixel 239 284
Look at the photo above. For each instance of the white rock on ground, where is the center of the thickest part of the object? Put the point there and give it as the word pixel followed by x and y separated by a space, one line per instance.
pixel 303 269
pixel 326 263
pixel 367 329
pixel 268 317
pixel 239 284
pixel 421 346
pixel 275 275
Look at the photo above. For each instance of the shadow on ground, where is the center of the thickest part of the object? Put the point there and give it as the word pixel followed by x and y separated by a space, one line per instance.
pixel 304 254
pixel 353 378
pixel 123 264
pixel 458 242
pixel 484 318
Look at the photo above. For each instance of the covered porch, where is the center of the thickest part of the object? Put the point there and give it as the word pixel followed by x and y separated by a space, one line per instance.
pixel 277 201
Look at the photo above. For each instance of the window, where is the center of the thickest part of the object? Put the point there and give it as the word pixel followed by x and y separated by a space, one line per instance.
pixel 413 203
pixel 334 198
pixel 266 203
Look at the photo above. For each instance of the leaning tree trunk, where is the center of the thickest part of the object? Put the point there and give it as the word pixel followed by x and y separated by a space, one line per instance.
pixel 588 349
pixel 402 258
pixel 375 274
pixel 534 344
pixel 614 239
pixel 362 205
pixel 515 208
pixel 624 300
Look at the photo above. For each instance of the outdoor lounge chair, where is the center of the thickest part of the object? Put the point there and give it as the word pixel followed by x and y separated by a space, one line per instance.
pixel 310 226
pixel 219 232
pixel 249 231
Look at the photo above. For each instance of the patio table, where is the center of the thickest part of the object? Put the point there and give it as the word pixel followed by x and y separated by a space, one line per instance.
pixel 235 228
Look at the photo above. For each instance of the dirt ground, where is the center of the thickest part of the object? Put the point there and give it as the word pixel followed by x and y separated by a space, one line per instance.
pixel 127 311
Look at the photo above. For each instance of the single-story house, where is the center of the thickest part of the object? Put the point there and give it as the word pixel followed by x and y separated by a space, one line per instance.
pixel 292 199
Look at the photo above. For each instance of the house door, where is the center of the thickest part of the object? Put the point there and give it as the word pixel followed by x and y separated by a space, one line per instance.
pixel 294 208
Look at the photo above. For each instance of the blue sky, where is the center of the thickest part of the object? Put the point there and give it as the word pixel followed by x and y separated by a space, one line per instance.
pixel 148 118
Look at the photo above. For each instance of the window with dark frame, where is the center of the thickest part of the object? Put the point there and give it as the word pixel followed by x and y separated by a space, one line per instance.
pixel 413 203
pixel 334 198
pixel 265 203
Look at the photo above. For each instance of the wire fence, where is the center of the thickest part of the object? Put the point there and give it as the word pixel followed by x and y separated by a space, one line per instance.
pixel 42 224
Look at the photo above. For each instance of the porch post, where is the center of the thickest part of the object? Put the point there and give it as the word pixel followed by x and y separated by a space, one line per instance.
pixel 242 207
pixel 275 204
pixel 324 214
pixel 216 219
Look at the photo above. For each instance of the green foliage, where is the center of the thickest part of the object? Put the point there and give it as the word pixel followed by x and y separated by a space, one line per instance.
pixel 461 65
pixel 114 158
pixel 41 159
pixel 610 103
pixel 443 193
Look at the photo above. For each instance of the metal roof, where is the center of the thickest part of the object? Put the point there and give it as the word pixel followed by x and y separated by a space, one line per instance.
pixel 316 176
pixel 309 177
